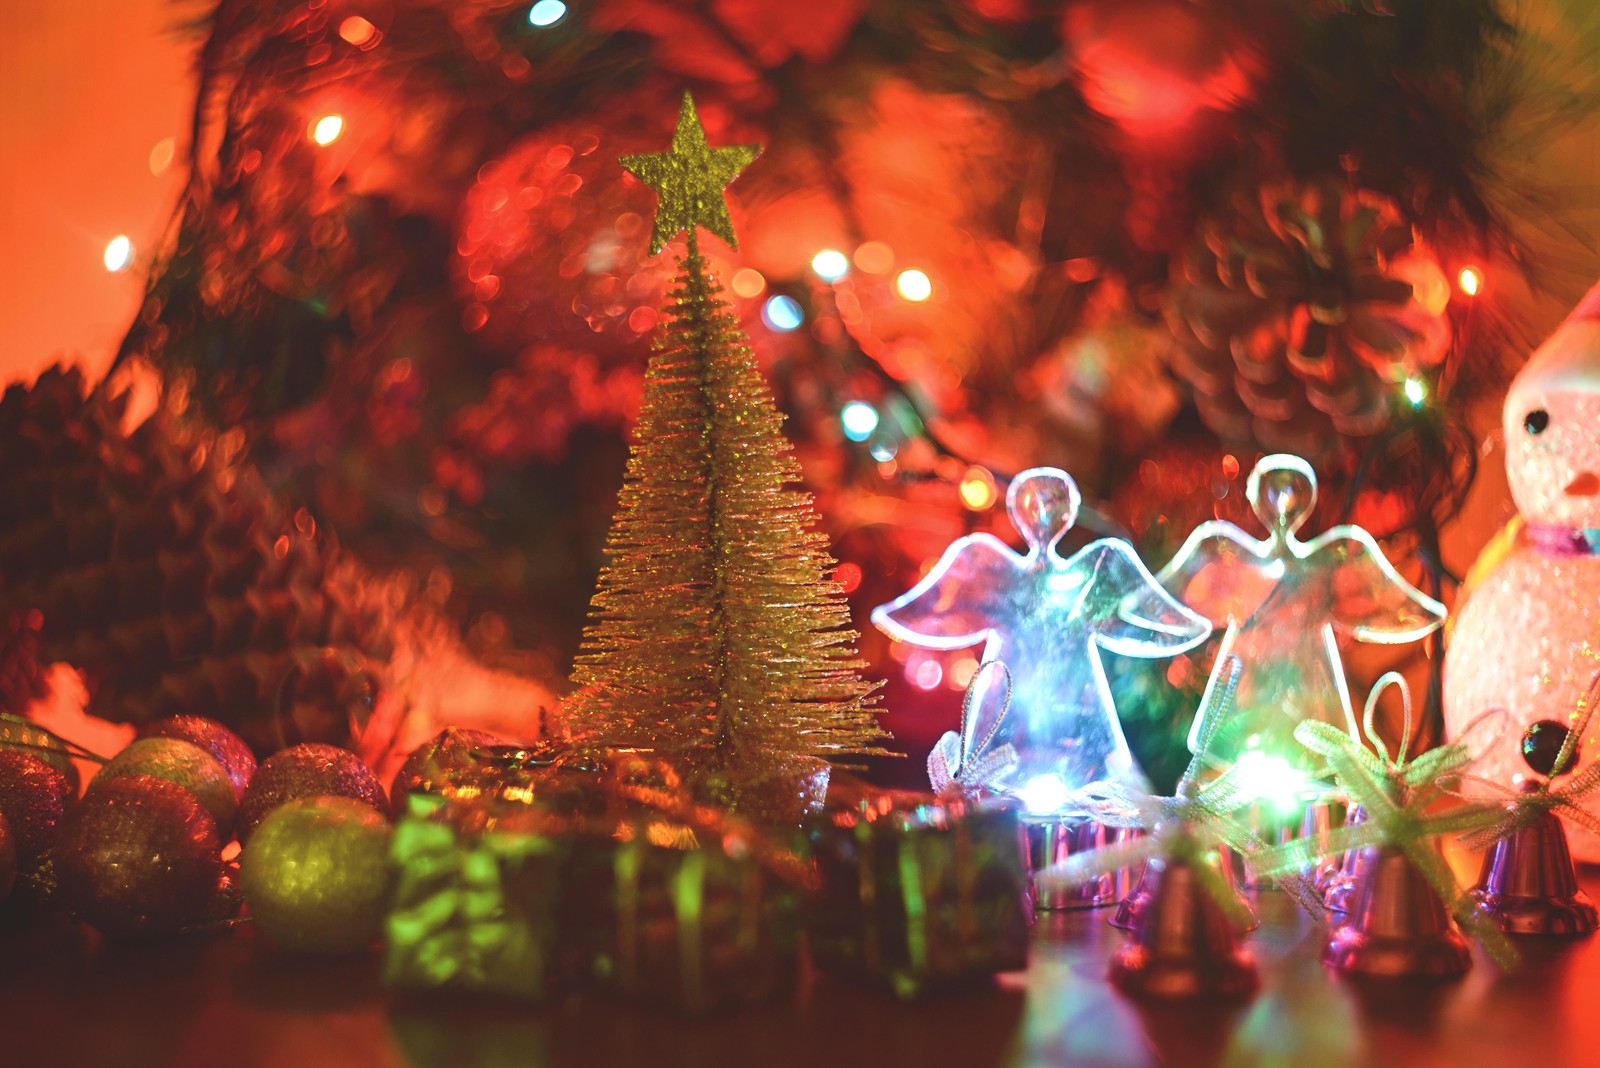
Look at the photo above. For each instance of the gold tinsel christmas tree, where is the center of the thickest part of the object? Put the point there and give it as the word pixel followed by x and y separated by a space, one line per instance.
pixel 716 633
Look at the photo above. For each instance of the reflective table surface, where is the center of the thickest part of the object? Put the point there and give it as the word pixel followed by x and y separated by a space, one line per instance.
pixel 68 997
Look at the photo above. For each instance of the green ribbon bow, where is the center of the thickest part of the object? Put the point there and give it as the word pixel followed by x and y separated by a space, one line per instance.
pixel 1395 792
pixel 455 922
pixel 1526 806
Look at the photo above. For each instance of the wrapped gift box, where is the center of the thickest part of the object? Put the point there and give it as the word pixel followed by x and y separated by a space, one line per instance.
pixel 916 892
pixel 536 879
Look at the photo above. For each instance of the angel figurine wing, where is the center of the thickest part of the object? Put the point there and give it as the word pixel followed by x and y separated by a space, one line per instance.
pixel 1220 572
pixel 1368 599
pixel 1140 618
pixel 965 596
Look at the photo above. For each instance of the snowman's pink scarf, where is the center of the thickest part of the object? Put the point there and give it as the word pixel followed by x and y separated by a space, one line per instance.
pixel 1565 541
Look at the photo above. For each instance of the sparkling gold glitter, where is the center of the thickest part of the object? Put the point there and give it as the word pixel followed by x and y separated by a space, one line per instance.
pixel 715 632
pixel 690 178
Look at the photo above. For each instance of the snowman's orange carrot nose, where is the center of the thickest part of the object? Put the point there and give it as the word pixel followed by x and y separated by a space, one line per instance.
pixel 1585 485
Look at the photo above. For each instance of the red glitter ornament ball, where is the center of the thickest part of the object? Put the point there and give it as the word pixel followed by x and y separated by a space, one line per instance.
pixel 33 799
pixel 437 763
pixel 184 763
pixel 8 859
pixel 139 856
pixel 227 747
pixel 307 771
pixel 24 737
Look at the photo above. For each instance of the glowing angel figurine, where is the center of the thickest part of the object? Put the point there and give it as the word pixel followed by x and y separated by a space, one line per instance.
pixel 1286 604
pixel 1047 618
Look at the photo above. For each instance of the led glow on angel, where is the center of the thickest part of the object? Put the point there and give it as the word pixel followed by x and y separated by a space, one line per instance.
pixel 1047 618
pixel 1286 604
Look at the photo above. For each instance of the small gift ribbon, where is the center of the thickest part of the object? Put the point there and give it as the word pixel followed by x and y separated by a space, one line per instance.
pixel 26 735
pixel 1526 806
pixel 1394 791
pixel 954 769
pixel 1186 827
pixel 459 925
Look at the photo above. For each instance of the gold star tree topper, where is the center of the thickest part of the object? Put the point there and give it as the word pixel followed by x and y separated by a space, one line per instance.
pixel 690 178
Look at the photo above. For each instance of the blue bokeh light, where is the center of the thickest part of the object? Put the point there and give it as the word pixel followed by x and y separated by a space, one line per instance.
pixel 547 13
pixel 859 420
pixel 782 313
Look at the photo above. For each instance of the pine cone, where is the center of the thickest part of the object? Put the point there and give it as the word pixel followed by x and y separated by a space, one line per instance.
pixel 21 675
pixel 168 574
pixel 1300 314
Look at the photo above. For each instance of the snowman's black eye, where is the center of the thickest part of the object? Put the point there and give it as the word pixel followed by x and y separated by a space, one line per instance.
pixel 1535 421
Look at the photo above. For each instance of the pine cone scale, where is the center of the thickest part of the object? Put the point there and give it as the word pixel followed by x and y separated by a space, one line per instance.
pixel 172 579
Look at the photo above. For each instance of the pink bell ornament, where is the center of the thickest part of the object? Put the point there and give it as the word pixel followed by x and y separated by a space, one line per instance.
pixel 1528 885
pixel 1185 944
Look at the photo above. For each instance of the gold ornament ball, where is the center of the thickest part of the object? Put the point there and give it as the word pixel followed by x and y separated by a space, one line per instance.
pixel 315 875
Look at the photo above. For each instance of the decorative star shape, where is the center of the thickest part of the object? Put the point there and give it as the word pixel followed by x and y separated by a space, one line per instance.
pixel 689 178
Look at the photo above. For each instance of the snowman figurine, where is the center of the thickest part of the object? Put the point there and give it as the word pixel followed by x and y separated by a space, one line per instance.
pixel 1526 636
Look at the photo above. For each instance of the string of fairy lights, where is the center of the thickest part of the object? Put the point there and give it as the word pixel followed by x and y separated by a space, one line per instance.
pixel 880 421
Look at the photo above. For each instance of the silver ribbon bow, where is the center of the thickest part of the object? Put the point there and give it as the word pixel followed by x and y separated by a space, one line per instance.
pixel 955 769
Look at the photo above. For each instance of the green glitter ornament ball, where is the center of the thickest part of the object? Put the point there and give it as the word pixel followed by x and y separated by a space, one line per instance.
pixel 315 875
pixel 229 749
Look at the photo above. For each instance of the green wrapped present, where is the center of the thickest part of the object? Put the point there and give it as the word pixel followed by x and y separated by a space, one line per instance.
pixel 917 892
pixel 539 878
pixel 477 900
pixel 685 904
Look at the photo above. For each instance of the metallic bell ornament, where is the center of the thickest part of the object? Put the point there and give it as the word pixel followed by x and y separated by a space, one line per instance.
pixel 1340 883
pixel 1183 945
pixel 1052 842
pixel 1528 885
pixel 1396 924
pixel 1131 909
